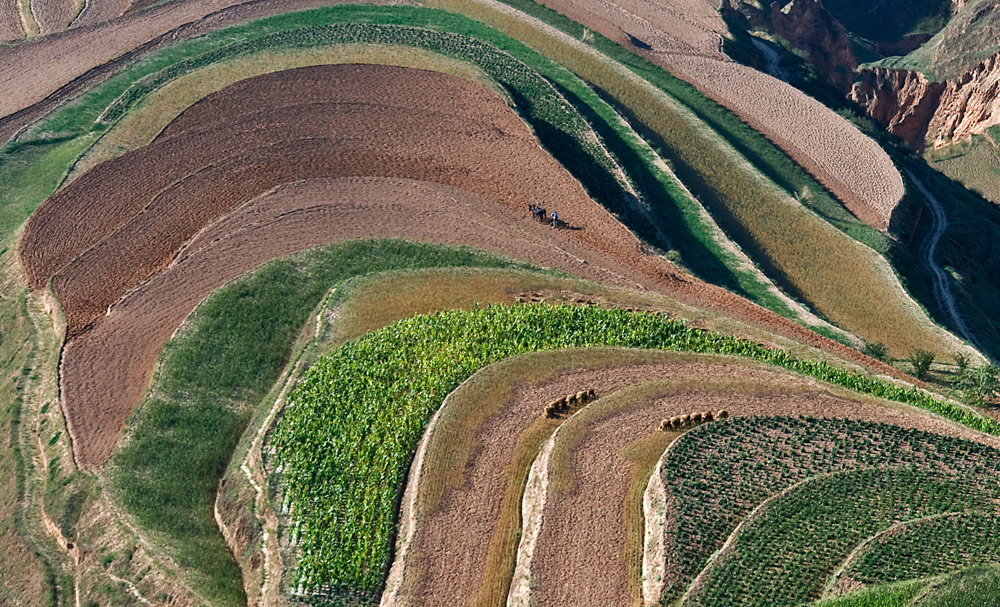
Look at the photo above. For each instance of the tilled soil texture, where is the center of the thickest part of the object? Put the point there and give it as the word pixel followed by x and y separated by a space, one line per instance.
pixel 307 123
pixel 11 28
pixel 450 547
pixel 684 36
pixel 99 11
pixel 37 77
pixel 52 15
pixel 224 162
pixel 106 367
pixel 847 162
pixel 138 209
pixel 579 557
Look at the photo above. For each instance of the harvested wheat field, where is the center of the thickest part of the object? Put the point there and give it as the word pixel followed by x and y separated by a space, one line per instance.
pixel 100 11
pixel 475 461
pixel 280 290
pixel 846 161
pixel 52 15
pixel 583 544
pixel 677 27
pixel 587 514
pixel 685 37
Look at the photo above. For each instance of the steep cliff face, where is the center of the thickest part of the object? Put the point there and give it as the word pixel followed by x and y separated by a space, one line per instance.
pixel 902 101
pixel 968 105
pixel 939 113
pixel 808 26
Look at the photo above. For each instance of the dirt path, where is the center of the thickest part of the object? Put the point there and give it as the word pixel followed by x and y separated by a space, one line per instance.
pixel 928 250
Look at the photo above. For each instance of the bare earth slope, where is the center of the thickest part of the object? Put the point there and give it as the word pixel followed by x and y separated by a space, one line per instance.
pixel 11 28
pixel 106 368
pixel 684 36
pixel 36 77
pixel 453 531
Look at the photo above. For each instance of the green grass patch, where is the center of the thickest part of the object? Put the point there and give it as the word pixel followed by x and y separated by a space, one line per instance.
pixel 213 374
pixel 930 547
pixel 974 587
pixel 895 595
pixel 356 417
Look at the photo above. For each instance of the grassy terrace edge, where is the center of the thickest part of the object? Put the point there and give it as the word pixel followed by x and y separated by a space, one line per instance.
pixel 380 390
pixel 211 377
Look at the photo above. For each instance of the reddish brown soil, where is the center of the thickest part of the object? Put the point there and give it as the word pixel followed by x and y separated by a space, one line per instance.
pixel 580 553
pixel 140 209
pixel 11 28
pixel 315 123
pixel 36 77
pixel 106 367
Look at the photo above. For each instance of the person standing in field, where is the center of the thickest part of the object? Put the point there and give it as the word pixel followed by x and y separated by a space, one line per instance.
pixel 555 219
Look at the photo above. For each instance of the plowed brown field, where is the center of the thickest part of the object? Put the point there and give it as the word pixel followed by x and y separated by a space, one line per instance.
pixel 119 224
pixel 684 36
pixel 36 77
pixel 52 15
pixel 99 11
pixel 11 28
pixel 315 122
pixel 106 367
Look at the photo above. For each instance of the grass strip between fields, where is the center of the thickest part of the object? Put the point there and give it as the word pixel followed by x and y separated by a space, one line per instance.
pixel 212 375
pixel 355 418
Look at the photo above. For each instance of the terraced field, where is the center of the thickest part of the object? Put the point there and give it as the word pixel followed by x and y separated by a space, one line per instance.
pixel 280 328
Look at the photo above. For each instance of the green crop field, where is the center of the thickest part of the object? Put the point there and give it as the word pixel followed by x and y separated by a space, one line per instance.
pixel 720 472
pixel 213 375
pixel 356 417
pixel 931 547
pixel 785 551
